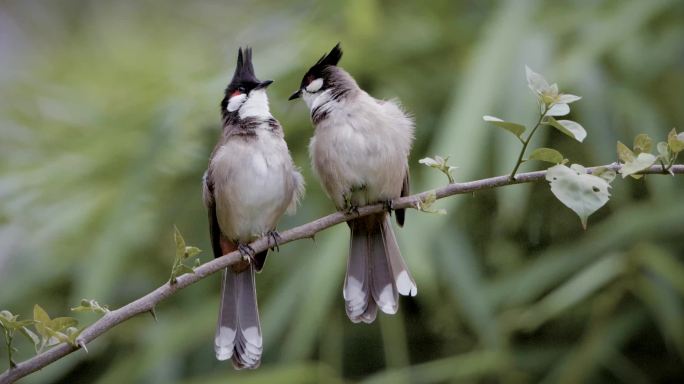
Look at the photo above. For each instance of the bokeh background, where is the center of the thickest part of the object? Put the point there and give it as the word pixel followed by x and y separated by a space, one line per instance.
pixel 109 110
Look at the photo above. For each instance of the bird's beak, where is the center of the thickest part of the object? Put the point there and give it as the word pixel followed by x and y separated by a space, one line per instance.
pixel 264 84
pixel 296 95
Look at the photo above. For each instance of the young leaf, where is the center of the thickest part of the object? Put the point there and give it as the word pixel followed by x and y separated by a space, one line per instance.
pixel 430 162
pixel 72 334
pixel 577 190
pixel 675 141
pixel 535 81
pixel 566 98
pixel 558 110
pixel 91 306
pixel 514 128
pixel 7 319
pixel 182 269
pixel 440 163
pixel 642 143
pixel 426 204
pixel 663 151
pixel 183 252
pixel 641 162
pixel 624 153
pixel 606 174
pixel 547 154
pixel 191 252
pixel 569 127
pixel 59 324
pixel 180 243
pixel 42 320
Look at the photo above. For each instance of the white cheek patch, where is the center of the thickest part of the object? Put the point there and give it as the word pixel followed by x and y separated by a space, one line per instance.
pixel 315 85
pixel 256 105
pixel 235 102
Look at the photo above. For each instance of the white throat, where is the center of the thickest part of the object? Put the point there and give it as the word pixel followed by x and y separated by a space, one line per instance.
pixel 314 100
pixel 256 105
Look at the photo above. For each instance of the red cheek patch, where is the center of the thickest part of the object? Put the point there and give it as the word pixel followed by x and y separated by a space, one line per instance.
pixel 235 93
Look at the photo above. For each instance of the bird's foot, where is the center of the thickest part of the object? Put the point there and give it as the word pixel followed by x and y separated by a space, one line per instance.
pixel 352 209
pixel 387 204
pixel 247 252
pixel 275 236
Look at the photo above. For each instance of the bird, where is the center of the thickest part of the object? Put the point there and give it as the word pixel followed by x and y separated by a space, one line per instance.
pixel 359 152
pixel 250 182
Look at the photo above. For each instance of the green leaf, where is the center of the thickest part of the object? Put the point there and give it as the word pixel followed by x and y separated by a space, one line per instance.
pixel 42 320
pixel 675 142
pixel 577 190
pixel 624 153
pixel 191 252
pixel 181 269
pixel 547 154
pixel 425 205
pixel 72 334
pixel 642 143
pixel 8 320
pixel 568 127
pixel 641 162
pixel 91 306
pixel 440 163
pixel 663 151
pixel 606 174
pixel 514 128
pixel 180 243
pixel 59 324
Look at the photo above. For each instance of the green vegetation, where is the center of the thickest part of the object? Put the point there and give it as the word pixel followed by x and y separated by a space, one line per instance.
pixel 109 110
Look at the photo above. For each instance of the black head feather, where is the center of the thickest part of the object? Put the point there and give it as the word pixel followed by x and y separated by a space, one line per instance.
pixel 244 72
pixel 244 79
pixel 316 71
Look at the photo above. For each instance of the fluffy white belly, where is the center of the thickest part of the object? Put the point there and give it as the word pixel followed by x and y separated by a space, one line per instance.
pixel 347 158
pixel 253 186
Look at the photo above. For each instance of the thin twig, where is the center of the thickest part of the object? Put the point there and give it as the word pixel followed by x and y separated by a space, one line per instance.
pixel 526 142
pixel 148 302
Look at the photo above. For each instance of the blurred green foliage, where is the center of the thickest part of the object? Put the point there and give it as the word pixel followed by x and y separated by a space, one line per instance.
pixel 109 110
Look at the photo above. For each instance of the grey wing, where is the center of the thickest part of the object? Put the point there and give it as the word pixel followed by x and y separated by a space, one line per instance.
pixel 401 212
pixel 210 203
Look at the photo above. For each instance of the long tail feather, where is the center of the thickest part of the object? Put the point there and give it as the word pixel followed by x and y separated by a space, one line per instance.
pixel 238 334
pixel 357 281
pixel 405 284
pixel 376 272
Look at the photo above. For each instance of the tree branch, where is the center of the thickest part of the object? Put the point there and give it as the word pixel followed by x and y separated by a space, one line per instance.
pixel 148 302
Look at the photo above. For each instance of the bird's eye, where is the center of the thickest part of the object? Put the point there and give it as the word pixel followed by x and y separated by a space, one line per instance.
pixel 241 89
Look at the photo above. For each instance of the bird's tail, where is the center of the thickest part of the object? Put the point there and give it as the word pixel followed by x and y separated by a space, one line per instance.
pixel 376 272
pixel 238 334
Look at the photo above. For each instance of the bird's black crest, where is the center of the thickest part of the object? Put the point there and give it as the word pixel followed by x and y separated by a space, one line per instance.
pixel 244 71
pixel 244 78
pixel 332 58
pixel 316 71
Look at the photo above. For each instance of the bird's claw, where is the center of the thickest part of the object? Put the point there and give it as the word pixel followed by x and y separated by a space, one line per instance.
pixel 247 252
pixel 275 236
pixel 352 209
pixel 387 204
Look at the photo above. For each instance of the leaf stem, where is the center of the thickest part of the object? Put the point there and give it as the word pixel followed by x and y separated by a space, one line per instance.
pixel 8 342
pixel 526 142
